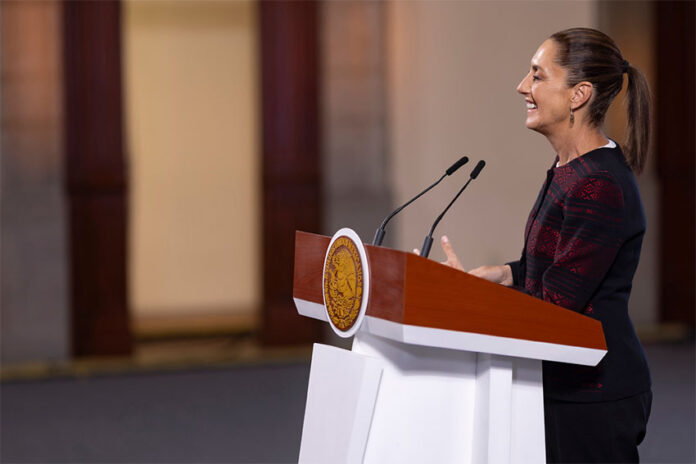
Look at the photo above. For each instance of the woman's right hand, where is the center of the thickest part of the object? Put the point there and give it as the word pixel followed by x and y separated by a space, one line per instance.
pixel 452 260
pixel 498 274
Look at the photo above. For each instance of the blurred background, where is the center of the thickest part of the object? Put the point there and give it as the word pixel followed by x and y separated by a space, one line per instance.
pixel 158 157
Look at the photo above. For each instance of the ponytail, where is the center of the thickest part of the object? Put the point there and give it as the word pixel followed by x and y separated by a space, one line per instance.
pixel 638 117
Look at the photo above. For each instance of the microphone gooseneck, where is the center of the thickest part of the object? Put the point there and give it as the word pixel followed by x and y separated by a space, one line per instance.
pixel 379 234
pixel 428 242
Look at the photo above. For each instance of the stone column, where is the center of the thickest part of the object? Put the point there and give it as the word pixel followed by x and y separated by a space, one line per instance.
pixel 33 308
pixel 355 175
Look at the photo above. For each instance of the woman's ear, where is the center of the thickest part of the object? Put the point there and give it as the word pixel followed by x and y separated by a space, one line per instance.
pixel 582 92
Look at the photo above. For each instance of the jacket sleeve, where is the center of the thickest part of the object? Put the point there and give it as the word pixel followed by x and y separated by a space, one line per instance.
pixel 589 240
pixel 515 266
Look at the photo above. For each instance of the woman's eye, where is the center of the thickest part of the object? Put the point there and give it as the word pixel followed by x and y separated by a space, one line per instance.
pixel 536 78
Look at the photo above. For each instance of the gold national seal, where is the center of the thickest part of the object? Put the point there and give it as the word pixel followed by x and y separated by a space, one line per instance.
pixel 343 283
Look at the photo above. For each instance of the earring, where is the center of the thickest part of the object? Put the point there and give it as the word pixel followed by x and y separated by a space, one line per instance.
pixel 572 117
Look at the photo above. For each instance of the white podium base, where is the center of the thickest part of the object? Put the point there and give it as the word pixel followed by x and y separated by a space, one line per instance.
pixel 389 402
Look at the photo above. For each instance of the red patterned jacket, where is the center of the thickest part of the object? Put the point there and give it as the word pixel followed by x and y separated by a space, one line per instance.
pixel 581 249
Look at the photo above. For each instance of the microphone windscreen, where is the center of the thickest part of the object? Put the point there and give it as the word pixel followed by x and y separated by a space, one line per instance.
pixel 462 161
pixel 477 169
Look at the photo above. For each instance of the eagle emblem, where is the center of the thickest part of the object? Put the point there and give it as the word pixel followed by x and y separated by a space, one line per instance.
pixel 343 283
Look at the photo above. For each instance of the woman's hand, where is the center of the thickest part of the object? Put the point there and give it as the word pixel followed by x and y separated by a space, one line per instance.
pixel 498 274
pixel 452 260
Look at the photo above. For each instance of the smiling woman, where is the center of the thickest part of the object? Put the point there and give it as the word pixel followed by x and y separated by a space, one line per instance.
pixel 546 92
pixel 583 239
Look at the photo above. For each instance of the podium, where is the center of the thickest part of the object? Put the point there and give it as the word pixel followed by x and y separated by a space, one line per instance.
pixel 444 367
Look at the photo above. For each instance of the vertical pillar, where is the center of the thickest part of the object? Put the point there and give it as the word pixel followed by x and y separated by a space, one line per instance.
pixel 291 163
pixel 676 158
pixel 96 177
pixel 355 164
pixel 34 322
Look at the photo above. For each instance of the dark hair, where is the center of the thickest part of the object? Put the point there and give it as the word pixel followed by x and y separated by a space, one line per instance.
pixel 590 55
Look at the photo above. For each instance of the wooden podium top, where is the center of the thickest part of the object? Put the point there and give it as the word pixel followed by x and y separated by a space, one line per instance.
pixel 409 293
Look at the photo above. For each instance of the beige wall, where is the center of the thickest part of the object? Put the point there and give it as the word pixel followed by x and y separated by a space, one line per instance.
pixel 452 78
pixel 191 98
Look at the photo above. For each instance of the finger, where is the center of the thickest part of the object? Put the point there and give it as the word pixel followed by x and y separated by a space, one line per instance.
pixel 451 255
pixel 447 248
pixel 455 265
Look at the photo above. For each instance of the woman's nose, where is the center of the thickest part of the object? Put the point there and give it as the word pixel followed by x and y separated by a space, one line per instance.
pixel 522 87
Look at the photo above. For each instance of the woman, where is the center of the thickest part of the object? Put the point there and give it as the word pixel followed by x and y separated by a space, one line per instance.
pixel 582 242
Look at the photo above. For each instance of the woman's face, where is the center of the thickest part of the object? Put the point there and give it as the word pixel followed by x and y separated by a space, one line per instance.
pixel 546 93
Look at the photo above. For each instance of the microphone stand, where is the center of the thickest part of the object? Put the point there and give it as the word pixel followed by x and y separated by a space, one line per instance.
pixel 379 234
pixel 428 242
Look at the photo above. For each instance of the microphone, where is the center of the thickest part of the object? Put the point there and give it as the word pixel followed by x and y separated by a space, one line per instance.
pixel 428 242
pixel 379 235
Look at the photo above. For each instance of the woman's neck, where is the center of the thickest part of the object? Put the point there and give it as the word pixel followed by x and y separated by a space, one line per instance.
pixel 575 142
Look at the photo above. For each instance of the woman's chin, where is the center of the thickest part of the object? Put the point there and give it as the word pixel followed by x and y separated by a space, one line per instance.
pixel 535 126
pixel 531 123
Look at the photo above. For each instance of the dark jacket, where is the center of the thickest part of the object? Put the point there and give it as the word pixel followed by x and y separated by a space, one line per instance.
pixel 581 249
